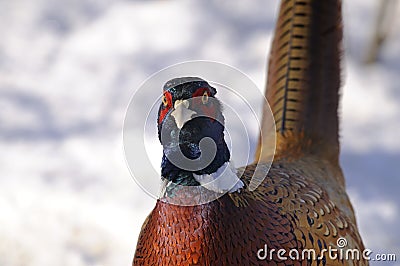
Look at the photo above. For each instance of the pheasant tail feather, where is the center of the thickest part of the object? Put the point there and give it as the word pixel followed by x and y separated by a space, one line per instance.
pixel 304 78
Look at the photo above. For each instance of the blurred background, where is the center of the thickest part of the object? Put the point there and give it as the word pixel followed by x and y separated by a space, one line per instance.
pixel 67 72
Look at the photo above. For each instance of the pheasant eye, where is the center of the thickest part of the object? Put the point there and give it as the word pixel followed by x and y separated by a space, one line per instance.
pixel 164 100
pixel 204 98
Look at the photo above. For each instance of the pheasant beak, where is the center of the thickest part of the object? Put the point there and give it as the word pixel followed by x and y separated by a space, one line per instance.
pixel 182 113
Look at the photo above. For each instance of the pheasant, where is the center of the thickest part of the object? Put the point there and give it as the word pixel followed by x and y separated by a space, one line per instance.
pixel 301 205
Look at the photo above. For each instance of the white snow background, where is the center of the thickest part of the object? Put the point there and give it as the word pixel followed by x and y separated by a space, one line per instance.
pixel 67 72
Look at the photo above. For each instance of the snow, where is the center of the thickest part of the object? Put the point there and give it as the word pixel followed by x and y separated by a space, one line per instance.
pixel 67 72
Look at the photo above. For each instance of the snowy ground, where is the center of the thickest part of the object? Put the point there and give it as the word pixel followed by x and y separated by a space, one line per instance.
pixel 67 71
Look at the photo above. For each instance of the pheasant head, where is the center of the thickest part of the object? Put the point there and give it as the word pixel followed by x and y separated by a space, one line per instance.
pixel 191 131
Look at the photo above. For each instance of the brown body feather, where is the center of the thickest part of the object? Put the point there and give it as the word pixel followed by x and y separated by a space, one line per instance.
pixel 287 211
pixel 302 203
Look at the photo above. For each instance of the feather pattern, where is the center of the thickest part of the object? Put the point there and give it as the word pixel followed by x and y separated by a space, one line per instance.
pixel 287 212
pixel 304 75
